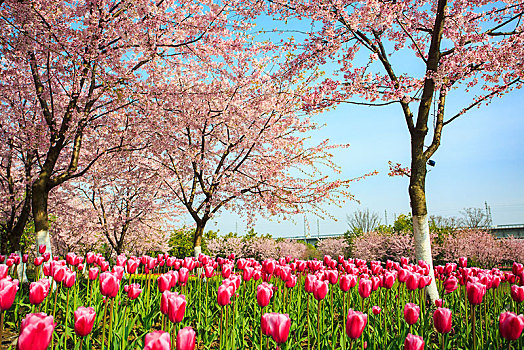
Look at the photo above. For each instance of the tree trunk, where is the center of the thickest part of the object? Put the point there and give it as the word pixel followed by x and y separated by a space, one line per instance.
pixel 417 196
pixel 197 238
pixel 40 197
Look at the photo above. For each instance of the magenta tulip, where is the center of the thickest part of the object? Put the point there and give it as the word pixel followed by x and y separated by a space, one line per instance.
pixel 176 307
pixel 224 294
pixel 355 323
pixel 411 313
pixel 264 293
pixel 69 278
pixel 35 332
pixel 185 339
pixel 42 248
pixel 413 342
pixel 511 325
pixel 93 273
pixel 38 291
pixel 442 320
pixel 157 340
pixel 320 289
pixel 376 310
pixel 164 282
pixel 4 270
pixel 84 320
pixel 133 291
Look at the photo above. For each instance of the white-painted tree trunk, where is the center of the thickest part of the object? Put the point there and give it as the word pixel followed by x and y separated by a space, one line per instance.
pixel 423 250
pixel 197 251
pixel 21 269
pixel 43 237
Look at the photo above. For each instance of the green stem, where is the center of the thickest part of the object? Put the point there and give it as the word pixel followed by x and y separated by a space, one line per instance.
pixel 473 327
pixel 66 318
pixel 104 326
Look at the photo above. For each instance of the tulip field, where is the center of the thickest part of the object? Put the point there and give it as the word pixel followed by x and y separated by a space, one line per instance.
pixel 86 302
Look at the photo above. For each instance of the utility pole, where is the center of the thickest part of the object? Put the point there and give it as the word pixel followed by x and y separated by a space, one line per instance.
pixel 386 216
pixel 488 214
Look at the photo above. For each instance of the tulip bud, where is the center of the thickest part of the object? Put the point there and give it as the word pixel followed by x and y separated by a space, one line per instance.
pixel 511 325
pixel 35 332
pixel 157 340
pixel 355 323
pixel 413 342
pixel 84 320
pixel 185 339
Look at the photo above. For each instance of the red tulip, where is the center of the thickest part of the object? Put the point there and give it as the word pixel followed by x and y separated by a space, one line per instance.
pixel 264 293
pixel 413 342
pixel 209 271
pixel 109 284
pixel 463 261
pixel 511 325
pixel 38 291
pixel 355 323
pixel 320 289
pixel 42 248
pixel 84 320
pixel 450 284
pixel 46 256
pixel 291 282
pixel 442 320
pixel 25 258
pixel 157 340
pixel 388 280
pixel 58 273
pixel 517 293
pixel 8 291
pixel 517 268
pixel 279 325
pixel 185 339
pixel 364 287
pixel 226 270
pixel 411 313
pixel 176 307
pixel 35 332
pixel 132 265
pixel 38 260
pixel 475 292
pixel 439 302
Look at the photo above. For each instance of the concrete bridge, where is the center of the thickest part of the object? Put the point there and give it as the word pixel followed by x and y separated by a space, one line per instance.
pixel 500 231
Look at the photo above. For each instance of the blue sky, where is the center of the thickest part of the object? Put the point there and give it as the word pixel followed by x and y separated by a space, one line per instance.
pixel 481 159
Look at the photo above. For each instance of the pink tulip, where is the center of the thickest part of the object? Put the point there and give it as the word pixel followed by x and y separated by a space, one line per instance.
pixel 93 273
pixel 376 310
pixel 517 293
pixel 450 284
pixel 320 289
pixel 355 323
pixel 412 281
pixel 157 340
pixel 38 291
pixel 388 280
pixel 511 325
pixel 279 325
pixel 185 339
pixel 463 261
pixel 109 284
pixel 226 270
pixel 133 291
pixel 69 278
pixel 35 332
pixel 132 265
pixel 8 291
pixel 411 313
pixel 364 287
pixel 264 293
pixel 183 276
pixel 309 284
pixel 176 307
pixel 442 320
pixel 38 260
pixel 4 270
pixel 224 294
pixel 84 320
pixel 413 342
pixel 475 292
pixel 164 282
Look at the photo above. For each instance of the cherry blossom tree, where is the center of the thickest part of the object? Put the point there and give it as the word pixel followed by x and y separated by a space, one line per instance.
pixel 73 68
pixel 472 46
pixel 234 138
pixel 124 208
